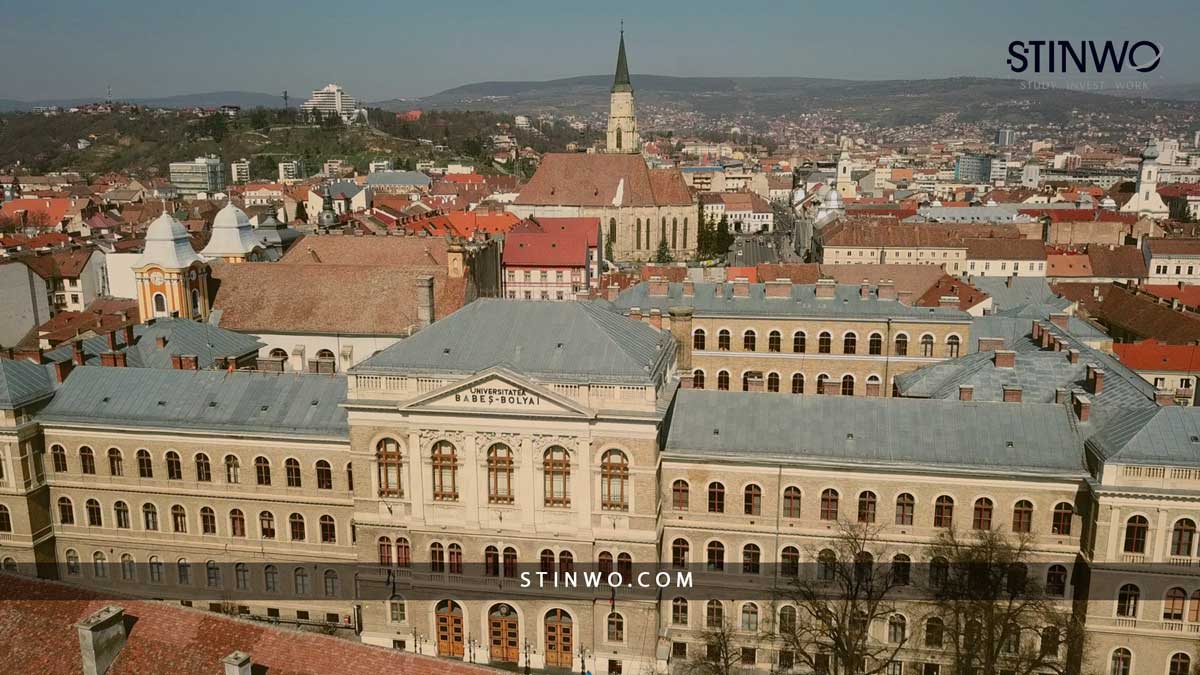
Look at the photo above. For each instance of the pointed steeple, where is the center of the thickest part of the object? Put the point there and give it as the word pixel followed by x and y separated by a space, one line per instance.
pixel 621 81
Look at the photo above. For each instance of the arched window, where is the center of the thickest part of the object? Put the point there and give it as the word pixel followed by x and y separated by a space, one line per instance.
pixel 208 521
pixel 6 520
pixel 697 379
pixel 1128 598
pixel 566 562
pixel 799 340
pixel 266 524
pixel 746 381
pixel 875 344
pixel 95 517
pixel 491 561
pixel 1136 529
pixel 849 343
pixel 1181 664
pixel 625 565
pixel 445 471
pixel 1173 604
pixel 271 579
pixel 787 619
pixel 87 460
pixel 296 527
pixel 328 529
pixel 905 506
pixel 824 343
pixel 714 614
pixel 237 523
pixel 797 383
pixel 262 471
pixel 789 561
pixel 174 466
pixel 773 382
pixel 953 344
pixel 680 551
pixel 638 242
pixel 749 341
pixel 1121 663
pixel 99 565
pixel 556 465
pixel 403 553
pixel 698 338
pixel 291 470
pixel 901 569
pixel 241 576
pixel 822 383
pixel 614 481
pixel 278 353
pixel 866 507
pixel 826 565
pixel 723 380
pixel 935 628
pixel 674 233
pixel 897 629
pixel 145 464
pixel 943 512
pixel 723 340
pixel 612 231
pixel 679 612
pixel 750 617
pixel 233 470
pixel 1183 537
pixel 150 517
pixel 751 559
pixel 829 504
pixel 178 519
pixel 116 465
pixel 752 501
pixel 774 341
pixel 324 475
pixel 212 574
pixel 939 571
pixel 848 385
pixel 927 345
pixel 616 627
pixel 1022 516
pixel 680 495
pixel 1063 513
pixel 59 454
pixel 72 562
pixel 902 345
pixel 66 511
pixel 203 468
pixel 716 498
pixel 604 562
pixel 384 546
pixel 128 568
pixel 715 556
pixel 388 459
pixel 160 305
pixel 1056 580
pixel 791 502
pixel 982 518
pixel 500 474
pixel 300 581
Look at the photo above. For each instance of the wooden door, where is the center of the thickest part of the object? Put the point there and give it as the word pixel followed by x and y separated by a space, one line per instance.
pixel 504 638
pixel 559 639
pixel 449 629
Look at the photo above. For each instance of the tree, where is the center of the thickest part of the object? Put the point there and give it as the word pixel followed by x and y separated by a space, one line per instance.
pixel 721 655
pixel 301 212
pixel 663 254
pixel 837 606
pixel 997 618
pixel 723 239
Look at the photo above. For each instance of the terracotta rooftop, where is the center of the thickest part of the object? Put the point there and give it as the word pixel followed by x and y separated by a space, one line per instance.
pixel 602 180
pixel 1188 294
pixel 59 264
pixel 1159 246
pixel 1154 355
pixel 343 250
pixel 1005 249
pixel 887 232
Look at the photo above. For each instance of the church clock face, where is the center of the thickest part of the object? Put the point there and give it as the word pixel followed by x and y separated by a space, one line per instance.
pixel 156 278
pixel 192 275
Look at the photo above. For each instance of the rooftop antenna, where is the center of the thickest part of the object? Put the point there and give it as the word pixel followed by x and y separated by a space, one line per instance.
pixel 109 99
pixel 285 99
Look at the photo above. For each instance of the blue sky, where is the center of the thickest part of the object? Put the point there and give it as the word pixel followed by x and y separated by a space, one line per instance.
pixel 380 49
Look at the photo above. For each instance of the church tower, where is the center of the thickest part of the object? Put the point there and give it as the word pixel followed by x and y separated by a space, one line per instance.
pixel 622 123
pixel 171 279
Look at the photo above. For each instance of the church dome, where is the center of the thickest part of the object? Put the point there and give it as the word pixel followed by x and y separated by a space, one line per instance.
pixel 232 234
pixel 1108 203
pixel 1151 151
pixel 167 244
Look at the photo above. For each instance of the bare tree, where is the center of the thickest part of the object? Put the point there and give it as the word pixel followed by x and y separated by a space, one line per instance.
pixel 836 607
pixel 722 654
pixel 997 616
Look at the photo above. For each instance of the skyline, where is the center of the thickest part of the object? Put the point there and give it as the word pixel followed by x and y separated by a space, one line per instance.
pixel 379 52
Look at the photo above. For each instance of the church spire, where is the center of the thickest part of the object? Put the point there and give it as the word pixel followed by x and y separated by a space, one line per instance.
pixel 621 81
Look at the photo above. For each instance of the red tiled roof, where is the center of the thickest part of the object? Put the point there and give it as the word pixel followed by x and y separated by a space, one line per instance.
pixel 1154 355
pixel 1117 262
pixel 602 180
pixel 1068 265
pixel 1005 249
pixel 1180 190
pixel 1160 246
pixel 1188 294
pixel 59 264
pixel 545 249
pixel 50 211
pixel 888 232
pixel 1080 215
pixel 38 621
pixel 589 228
pixel 672 273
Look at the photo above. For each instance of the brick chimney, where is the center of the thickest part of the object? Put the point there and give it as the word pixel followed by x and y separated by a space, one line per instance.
pixel 990 344
pixel 778 288
pixel 681 330
pixel 1164 397
pixel 1059 319
pixel 128 330
pixel 77 353
pixel 189 362
pixel 864 289
pixel 966 392
pixel 826 289
pixel 689 288
pixel 1061 396
pixel 1073 355
pixel 237 663
pixel 1035 332
pixel 120 360
pixel 61 370
pixel 112 341
pixel 904 297
pixel 1082 406
pixel 1009 281
pixel 887 290
pixel 656 318
pixel 177 362
pixel 1012 393
pixel 1095 379
pixel 687 380
pixel 161 341
pixel 1004 358
pixel 635 313
pixel 611 292
pixel 657 287
pixel 741 287
pixel 101 637
pixel 424 300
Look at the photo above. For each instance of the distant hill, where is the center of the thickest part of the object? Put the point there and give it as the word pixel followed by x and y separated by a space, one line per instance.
pixel 1170 92
pixel 245 99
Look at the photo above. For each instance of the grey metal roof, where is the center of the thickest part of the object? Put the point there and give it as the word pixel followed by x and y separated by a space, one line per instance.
pixel 23 382
pixel 1015 330
pixel 204 340
pixel 565 341
pixel 803 303
pixel 397 178
pixel 1169 435
pixel 889 432
pixel 212 401
pixel 1021 296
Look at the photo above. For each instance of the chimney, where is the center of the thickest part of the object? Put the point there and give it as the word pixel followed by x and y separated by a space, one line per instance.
pixel 948 302
pixel 656 318
pixel 108 359
pixel 37 355
pixel 128 330
pixel 101 637
pixel 687 380
pixel 177 362
pixel 1082 406
pixel 1036 331
pixel 1073 355
pixel 161 341
pixel 1095 379
pixel 778 288
pixel 966 392
pixel 1061 396
pixel 689 288
pixel 1058 345
pixel 886 290
pixel 864 289
pixel 635 313
pixel 112 341
pixel 424 300
pixel 237 663
pixel 1009 281
pixel 61 370
pixel 990 344
pixel 1004 358
pixel 1012 393
pixel 1164 397
pixel 611 292
pixel 1059 319
pixel 741 287
pixel 77 353
pixel 826 289
pixel 681 330
pixel 1047 338
pixel 904 297
pixel 657 288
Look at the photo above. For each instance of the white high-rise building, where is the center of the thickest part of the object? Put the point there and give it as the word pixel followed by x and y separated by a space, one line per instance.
pixel 333 99
pixel 239 171
pixel 201 175
pixel 291 170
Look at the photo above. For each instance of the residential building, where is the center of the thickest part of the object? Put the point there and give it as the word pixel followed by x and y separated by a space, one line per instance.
pixel 239 171
pixel 1005 137
pixel 1170 261
pixel 201 176
pixel 74 276
pixel 1170 368
pixel 291 170
pixel 398 182
pixel 887 241
pixel 25 301
pixel 379 165
pixel 551 258
pixel 333 100
pixel 987 257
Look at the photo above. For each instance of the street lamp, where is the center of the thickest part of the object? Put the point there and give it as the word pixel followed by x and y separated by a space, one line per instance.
pixel 527 647
pixel 583 653
pixel 471 644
